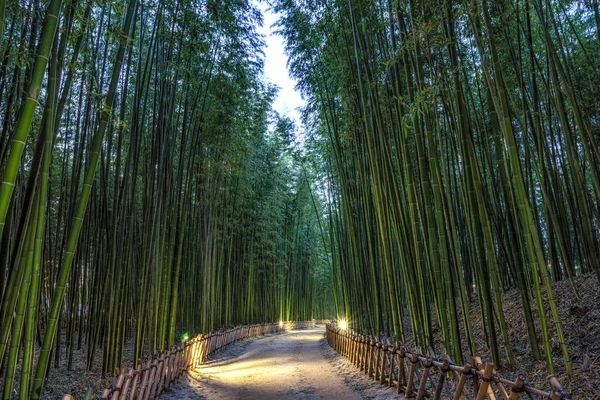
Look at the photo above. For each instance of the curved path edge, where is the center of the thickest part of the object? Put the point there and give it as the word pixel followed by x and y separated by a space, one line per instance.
pixel 293 365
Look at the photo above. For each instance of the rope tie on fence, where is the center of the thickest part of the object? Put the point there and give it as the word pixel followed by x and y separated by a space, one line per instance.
pixel 517 389
pixel 445 368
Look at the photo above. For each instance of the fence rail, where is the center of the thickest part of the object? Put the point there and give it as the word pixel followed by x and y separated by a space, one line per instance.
pixel 415 375
pixel 158 372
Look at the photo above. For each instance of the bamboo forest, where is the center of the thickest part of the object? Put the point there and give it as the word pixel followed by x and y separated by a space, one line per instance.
pixel 440 187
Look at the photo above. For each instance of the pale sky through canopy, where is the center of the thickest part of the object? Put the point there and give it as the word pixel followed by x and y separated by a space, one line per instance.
pixel 288 99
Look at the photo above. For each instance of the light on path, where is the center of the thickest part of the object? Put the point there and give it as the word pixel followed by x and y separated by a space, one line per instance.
pixel 280 324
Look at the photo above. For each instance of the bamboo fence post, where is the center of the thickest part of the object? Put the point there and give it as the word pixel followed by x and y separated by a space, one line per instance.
pixel 383 350
pixel 366 348
pixel 154 374
pixel 158 374
pixel 126 385
pixel 145 380
pixel 177 365
pixel 347 344
pixel 204 352
pixel 401 352
pixel 197 353
pixel 487 378
pixel 392 355
pixel 166 372
pixel 135 385
pixel 117 388
pixel 367 355
pixel 411 375
pixel 194 353
pixel 444 369
pixel 466 373
pixel 336 339
pixel 151 379
pixel 358 351
pixel 421 393
pixel 377 351
pixel 501 389
pixel 476 362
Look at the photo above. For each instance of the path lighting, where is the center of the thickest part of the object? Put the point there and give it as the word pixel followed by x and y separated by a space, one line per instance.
pixel 281 324
pixel 185 337
pixel 343 324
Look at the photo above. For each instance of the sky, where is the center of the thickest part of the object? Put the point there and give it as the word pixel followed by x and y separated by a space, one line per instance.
pixel 288 99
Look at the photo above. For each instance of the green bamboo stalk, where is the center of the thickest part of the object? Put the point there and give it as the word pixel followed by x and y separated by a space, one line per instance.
pixel 27 110
pixel 33 299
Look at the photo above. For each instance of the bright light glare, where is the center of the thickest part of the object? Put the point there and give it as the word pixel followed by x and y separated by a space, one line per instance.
pixel 281 324
pixel 343 324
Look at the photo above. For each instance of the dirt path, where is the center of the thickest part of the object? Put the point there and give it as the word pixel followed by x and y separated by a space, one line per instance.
pixel 294 365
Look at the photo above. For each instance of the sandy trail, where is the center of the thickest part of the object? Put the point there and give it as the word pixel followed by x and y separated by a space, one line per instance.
pixel 294 365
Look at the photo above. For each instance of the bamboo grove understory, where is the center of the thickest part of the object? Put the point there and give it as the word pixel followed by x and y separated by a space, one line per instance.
pixel 147 187
pixel 449 153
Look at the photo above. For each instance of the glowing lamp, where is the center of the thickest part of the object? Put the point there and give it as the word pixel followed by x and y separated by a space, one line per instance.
pixel 185 337
pixel 343 324
pixel 281 324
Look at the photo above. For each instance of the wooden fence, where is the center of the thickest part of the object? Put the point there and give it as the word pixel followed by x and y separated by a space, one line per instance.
pixel 158 372
pixel 414 375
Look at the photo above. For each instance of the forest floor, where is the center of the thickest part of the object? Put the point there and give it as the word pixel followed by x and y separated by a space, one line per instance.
pixel 75 380
pixel 294 365
pixel 580 320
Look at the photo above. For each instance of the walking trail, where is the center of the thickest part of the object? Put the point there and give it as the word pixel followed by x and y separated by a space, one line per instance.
pixel 293 365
